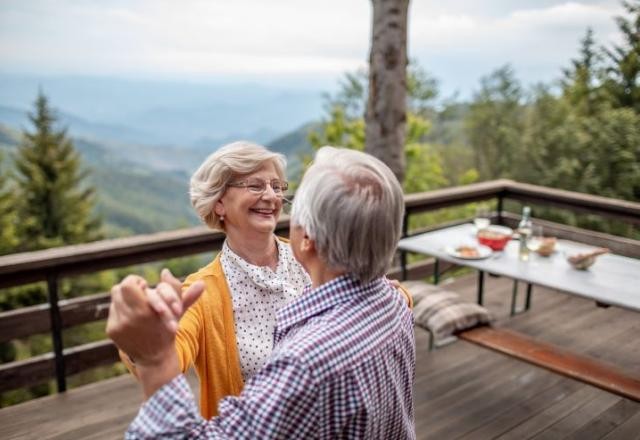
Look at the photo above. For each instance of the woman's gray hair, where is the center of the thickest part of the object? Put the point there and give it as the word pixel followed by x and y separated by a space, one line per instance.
pixel 351 205
pixel 229 162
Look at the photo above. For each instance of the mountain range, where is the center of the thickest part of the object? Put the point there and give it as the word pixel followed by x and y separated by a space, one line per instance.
pixel 169 113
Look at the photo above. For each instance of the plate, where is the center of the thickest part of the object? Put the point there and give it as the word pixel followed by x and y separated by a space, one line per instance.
pixel 483 252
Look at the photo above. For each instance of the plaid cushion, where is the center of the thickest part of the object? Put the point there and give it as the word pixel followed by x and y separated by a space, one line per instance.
pixel 419 290
pixel 444 313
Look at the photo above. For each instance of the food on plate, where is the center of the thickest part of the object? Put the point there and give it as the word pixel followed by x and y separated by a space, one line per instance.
pixel 494 236
pixel 468 251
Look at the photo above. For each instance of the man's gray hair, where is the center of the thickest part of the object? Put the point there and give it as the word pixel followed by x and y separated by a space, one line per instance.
pixel 351 205
pixel 230 162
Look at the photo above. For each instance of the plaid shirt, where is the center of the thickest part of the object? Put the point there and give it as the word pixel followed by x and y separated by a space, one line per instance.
pixel 342 367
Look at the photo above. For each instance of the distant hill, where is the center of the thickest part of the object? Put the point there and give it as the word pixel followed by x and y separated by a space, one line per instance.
pixel 294 146
pixel 144 112
pixel 132 198
pixel 142 189
pixel 81 127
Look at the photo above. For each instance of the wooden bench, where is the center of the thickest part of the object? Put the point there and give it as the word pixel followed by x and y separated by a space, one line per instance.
pixel 559 360
pixel 521 346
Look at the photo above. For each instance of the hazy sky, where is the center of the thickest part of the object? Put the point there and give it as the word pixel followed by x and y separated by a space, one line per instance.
pixel 298 42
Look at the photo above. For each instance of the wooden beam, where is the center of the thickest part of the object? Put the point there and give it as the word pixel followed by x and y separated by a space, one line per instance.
pixel 575 201
pixel 28 267
pixel 442 198
pixel 32 320
pixel 39 369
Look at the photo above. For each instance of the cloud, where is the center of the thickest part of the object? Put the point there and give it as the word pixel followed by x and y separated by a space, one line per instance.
pixel 455 39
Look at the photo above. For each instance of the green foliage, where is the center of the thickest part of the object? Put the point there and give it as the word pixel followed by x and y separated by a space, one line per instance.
pixel 494 123
pixel 345 126
pixel 581 84
pixel 623 73
pixel 8 237
pixel 55 206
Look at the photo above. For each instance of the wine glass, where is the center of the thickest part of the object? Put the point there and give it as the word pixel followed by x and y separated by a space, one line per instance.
pixel 535 239
pixel 481 220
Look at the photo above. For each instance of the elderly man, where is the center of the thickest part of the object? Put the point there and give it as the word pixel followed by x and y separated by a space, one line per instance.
pixel 344 356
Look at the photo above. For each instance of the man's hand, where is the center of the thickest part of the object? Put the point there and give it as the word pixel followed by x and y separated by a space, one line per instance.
pixel 143 323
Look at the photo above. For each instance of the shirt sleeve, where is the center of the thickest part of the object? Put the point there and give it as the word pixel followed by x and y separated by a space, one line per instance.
pixel 278 402
pixel 171 413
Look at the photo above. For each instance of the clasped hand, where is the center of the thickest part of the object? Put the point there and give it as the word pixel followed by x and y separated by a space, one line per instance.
pixel 143 321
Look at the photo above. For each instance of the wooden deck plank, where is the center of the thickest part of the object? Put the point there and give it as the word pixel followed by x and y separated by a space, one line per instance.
pixel 523 409
pixel 608 421
pixel 629 430
pixel 517 384
pixel 551 415
pixel 579 418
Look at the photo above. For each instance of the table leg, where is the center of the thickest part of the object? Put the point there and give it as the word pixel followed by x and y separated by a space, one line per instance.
pixel 403 265
pixel 527 303
pixel 480 287
pixel 514 297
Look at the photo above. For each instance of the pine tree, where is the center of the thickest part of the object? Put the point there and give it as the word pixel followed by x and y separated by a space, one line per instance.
pixel 56 204
pixel 581 84
pixel 623 82
pixel 8 239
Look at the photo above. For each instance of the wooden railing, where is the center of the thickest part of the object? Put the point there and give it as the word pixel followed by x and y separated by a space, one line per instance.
pixel 52 265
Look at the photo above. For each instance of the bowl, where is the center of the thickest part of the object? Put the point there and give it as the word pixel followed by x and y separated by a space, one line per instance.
pixel 581 263
pixel 494 236
pixel 547 246
pixel 584 260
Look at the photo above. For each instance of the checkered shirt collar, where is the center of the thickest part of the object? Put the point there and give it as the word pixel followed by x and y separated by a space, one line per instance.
pixel 315 301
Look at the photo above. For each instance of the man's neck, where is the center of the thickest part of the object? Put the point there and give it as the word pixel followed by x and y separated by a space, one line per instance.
pixel 321 275
pixel 259 250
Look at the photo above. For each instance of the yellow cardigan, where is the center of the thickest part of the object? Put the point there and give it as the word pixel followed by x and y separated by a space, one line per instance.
pixel 206 339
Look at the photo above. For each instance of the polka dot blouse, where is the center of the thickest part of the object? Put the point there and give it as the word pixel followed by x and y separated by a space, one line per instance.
pixel 257 293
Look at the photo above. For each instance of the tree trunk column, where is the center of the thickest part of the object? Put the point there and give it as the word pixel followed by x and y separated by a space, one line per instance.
pixel 386 108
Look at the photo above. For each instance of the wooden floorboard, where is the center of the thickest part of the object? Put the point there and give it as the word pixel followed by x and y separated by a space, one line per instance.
pixel 462 391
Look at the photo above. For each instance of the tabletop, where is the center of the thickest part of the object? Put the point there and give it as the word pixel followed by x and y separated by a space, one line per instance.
pixel 613 279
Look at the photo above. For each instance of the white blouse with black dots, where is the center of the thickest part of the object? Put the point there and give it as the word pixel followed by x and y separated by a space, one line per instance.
pixel 257 293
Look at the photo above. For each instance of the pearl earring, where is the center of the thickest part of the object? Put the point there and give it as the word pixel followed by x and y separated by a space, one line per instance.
pixel 222 218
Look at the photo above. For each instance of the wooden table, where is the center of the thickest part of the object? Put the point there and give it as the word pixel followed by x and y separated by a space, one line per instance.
pixel 612 280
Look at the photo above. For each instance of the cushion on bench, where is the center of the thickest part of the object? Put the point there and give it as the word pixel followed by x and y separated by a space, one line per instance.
pixel 443 313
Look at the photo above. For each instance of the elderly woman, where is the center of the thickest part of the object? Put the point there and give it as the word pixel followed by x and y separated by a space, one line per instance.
pixel 228 334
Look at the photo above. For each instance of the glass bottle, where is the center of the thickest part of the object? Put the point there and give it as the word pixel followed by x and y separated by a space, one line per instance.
pixel 524 230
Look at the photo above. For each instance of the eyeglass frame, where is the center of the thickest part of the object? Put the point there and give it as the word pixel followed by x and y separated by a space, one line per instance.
pixel 284 185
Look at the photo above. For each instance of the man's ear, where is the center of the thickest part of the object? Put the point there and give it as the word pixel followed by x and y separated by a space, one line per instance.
pixel 308 245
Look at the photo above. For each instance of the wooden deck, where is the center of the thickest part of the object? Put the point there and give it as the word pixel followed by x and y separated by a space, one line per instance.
pixel 461 391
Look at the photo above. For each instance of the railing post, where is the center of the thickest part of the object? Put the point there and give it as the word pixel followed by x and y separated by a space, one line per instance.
pixel 500 208
pixel 56 331
pixel 403 254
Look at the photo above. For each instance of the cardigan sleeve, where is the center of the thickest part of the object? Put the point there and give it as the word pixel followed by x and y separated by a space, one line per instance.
pixel 188 336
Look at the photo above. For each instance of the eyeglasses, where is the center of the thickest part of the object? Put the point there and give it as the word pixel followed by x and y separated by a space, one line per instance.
pixel 259 186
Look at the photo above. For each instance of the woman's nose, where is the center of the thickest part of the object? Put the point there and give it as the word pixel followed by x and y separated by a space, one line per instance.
pixel 269 193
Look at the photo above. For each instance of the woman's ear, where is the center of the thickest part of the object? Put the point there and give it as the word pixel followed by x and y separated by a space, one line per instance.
pixel 218 208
